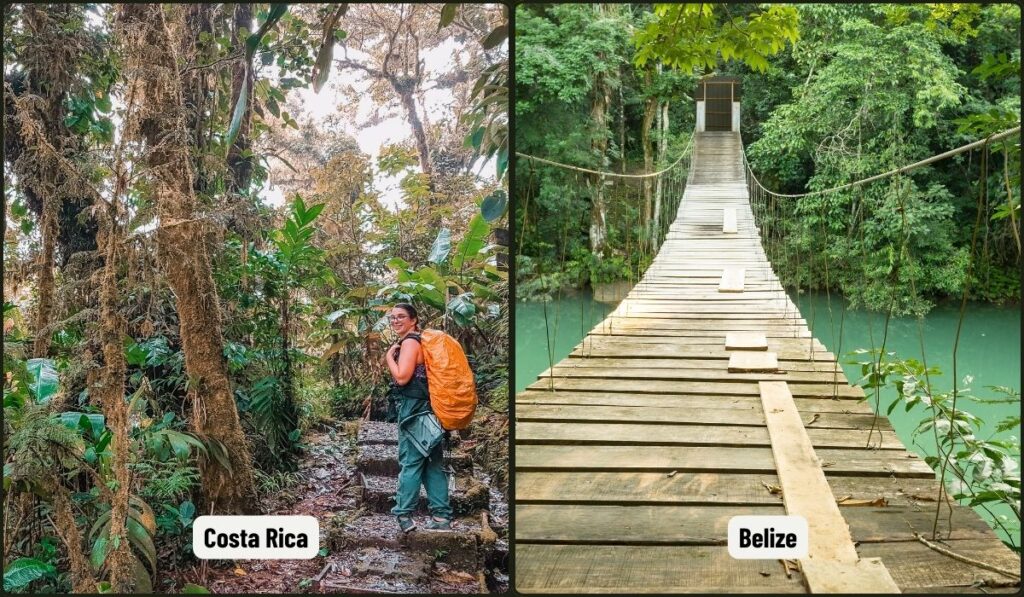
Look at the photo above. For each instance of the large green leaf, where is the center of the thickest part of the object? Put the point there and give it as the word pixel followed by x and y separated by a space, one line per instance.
pixel 45 382
pixel 239 111
pixel 23 571
pixel 252 42
pixel 74 420
pixel 429 275
pixel 441 247
pixel 462 308
pixel 448 12
pixel 143 581
pixel 140 538
pixel 471 244
pixel 495 37
pixel 100 550
pixel 493 206
pixel 191 589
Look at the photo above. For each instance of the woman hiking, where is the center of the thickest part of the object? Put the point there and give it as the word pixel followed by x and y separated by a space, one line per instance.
pixel 409 389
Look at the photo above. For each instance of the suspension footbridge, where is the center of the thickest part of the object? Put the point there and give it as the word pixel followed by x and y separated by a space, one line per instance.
pixel 704 396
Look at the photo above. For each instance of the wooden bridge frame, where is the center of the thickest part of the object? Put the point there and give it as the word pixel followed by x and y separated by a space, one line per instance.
pixel 704 396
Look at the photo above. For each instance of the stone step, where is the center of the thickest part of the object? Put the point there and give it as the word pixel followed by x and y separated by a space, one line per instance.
pixel 462 548
pixel 374 570
pixel 469 496
pixel 382 459
pixel 382 432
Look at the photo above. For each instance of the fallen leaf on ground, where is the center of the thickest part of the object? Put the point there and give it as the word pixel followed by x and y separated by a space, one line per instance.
pixel 813 419
pixel 876 503
pixel 672 474
pixel 239 572
pixel 772 489
pixel 765 574
pixel 454 576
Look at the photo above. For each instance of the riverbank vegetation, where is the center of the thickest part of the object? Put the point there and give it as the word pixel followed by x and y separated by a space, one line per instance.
pixel 199 253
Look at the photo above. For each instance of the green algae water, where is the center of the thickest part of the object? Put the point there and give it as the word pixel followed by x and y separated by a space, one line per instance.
pixel 989 351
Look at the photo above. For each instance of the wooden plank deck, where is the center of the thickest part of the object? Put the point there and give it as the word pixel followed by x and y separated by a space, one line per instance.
pixel 632 453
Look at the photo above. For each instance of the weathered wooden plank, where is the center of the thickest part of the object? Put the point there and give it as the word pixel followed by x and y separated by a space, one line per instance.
pixel 808 406
pixel 746 341
pixel 721 365
pixel 656 386
pixel 744 414
pixel 711 488
pixel 729 220
pixel 708 336
pixel 637 434
pixel 703 459
pixel 708 524
pixel 645 569
pixel 832 564
pixel 918 569
pixel 696 374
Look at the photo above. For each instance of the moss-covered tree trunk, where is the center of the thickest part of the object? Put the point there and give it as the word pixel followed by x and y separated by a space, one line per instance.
pixel 109 392
pixel 45 283
pixel 418 130
pixel 181 238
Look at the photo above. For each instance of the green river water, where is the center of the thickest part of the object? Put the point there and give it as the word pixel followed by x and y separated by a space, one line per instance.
pixel 989 351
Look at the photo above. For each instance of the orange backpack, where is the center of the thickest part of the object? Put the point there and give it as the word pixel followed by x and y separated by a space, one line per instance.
pixel 452 388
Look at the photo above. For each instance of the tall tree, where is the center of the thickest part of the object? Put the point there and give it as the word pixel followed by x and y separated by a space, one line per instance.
pixel 181 236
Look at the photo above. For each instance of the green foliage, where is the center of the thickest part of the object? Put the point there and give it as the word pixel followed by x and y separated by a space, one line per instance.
pixel 23 571
pixel 494 205
pixel 872 88
pixel 44 385
pixel 978 472
pixel 268 287
pixel 442 285
pixel 688 36
pixel 252 43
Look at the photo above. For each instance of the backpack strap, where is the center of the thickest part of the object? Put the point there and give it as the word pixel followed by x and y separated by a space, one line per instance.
pixel 413 336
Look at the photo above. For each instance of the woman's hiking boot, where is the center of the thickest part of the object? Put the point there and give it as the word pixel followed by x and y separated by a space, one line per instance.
pixel 406 523
pixel 442 524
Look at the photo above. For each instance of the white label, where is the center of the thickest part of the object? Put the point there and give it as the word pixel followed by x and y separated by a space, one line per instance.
pixel 768 537
pixel 256 537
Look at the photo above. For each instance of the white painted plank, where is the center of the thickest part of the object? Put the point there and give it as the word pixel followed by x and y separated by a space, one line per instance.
pixel 753 362
pixel 729 220
pixel 745 341
pixel 732 279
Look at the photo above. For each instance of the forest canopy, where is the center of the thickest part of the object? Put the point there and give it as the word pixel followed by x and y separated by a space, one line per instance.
pixel 831 94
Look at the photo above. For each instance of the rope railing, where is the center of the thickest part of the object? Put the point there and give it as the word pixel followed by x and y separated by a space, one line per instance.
pixel 901 170
pixel 685 152
pixel 630 216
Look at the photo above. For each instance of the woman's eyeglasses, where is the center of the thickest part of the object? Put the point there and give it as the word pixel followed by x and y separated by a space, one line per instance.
pixel 397 317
